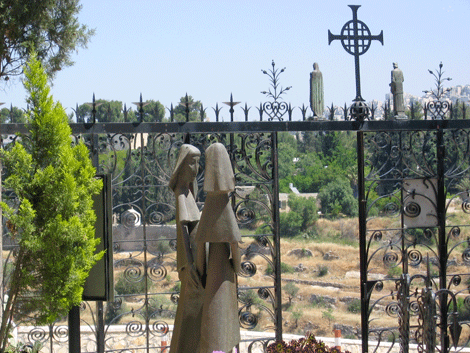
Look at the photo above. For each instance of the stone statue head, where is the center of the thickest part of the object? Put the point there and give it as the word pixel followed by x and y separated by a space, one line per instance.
pixel 186 168
pixel 218 175
pixel 316 67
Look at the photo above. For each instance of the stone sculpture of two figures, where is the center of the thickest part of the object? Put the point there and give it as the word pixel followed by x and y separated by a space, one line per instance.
pixel 208 257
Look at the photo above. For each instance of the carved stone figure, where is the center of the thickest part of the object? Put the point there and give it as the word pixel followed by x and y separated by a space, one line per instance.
pixel 218 255
pixel 396 87
pixel 186 332
pixel 316 91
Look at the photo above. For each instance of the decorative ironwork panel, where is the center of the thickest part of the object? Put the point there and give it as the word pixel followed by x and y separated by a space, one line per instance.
pixel 417 236
pixel 146 281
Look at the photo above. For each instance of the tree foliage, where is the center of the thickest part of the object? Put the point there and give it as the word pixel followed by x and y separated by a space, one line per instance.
pixel 302 215
pixel 12 115
pixel 337 197
pixel 51 215
pixel 188 109
pixel 49 27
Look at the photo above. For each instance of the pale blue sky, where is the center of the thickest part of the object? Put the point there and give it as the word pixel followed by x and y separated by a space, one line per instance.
pixel 210 49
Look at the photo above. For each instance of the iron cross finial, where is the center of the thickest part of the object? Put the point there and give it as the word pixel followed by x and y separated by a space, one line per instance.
pixel 356 39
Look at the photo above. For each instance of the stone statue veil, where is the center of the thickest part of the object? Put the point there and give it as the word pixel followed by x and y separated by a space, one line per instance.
pixel 218 255
pixel 186 332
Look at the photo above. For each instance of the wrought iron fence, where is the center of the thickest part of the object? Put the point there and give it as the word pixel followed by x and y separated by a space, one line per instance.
pixel 408 174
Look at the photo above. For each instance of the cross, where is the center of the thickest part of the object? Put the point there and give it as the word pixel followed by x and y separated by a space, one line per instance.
pixel 356 39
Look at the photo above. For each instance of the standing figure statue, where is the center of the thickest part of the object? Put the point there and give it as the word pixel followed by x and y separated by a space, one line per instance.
pixel 316 91
pixel 396 87
pixel 186 332
pixel 218 255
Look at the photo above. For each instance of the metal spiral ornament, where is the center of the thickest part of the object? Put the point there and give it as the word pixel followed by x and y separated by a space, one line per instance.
pixel 377 235
pixel 248 320
pixel 456 280
pixel 379 286
pixel 264 293
pixel 415 258
pixel 135 329
pixel 454 232
pixel 466 302
pixel 131 218
pixel 157 217
pixel 391 209
pixel 414 307
pixel 134 273
pixel 248 269
pixel 172 244
pixel 393 309
pixel 244 214
pixel 157 272
pixel 174 298
pixel 466 206
pixel 466 256
pixel 61 333
pixel 160 328
pixel 412 209
pixel 390 259
pixel 37 334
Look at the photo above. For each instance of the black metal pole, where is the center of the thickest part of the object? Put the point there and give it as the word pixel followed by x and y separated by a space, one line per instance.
pixel 74 330
pixel 442 247
pixel 362 241
pixel 100 327
pixel 277 239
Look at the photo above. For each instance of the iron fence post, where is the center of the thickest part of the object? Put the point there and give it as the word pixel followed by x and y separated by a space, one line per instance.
pixel 362 241
pixel 277 240
pixel 74 330
pixel 442 246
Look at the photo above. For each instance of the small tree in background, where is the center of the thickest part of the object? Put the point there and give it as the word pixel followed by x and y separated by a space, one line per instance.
pixel 291 290
pixel 337 197
pixel 51 216
pixel 302 215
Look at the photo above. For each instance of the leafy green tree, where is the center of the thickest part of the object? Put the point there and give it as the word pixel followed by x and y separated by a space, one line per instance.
pixel 106 112
pixel 460 110
pixel 154 112
pixel 337 197
pixel 12 115
pixel 188 107
pixel 302 215
pixel 287 153
pixel 53 223
pixel 415 111
pixel 291 290
pixel 49 27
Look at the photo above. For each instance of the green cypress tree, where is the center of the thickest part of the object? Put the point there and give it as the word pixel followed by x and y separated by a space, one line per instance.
pixel 53 183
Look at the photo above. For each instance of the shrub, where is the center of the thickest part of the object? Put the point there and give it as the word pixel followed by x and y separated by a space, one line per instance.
pixel 302 215
pixel 307 344
pixel 322 270
pixel 337 197
pixel 354 306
